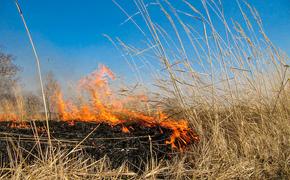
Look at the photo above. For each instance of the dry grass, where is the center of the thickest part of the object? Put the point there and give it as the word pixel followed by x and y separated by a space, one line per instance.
pixel 232 84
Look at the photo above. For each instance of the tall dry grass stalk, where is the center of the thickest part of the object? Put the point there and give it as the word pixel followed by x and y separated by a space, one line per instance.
pixel 227 78
pixel 38 70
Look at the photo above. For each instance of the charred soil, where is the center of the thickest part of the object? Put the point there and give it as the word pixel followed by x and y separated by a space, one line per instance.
pixel 127 143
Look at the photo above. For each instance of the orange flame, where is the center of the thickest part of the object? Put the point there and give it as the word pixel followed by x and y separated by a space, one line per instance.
pixel 125 129
pixel 98 104
pixel 9 116
pixel 102 106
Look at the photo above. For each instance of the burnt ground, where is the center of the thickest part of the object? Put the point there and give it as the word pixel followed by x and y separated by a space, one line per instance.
pixel 132 148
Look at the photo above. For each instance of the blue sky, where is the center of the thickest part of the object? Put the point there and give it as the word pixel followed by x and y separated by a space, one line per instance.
pixel 69 34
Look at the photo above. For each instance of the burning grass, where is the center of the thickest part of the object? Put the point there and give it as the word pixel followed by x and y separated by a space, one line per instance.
pixel 101 125
pixel 231 84
pixel 98 105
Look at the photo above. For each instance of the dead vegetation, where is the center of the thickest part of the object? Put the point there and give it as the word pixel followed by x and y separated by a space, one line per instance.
pixel 225 77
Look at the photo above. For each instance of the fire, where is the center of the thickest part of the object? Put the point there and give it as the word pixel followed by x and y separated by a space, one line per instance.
pixel 98 104
pixel 101 106
pixel 125 129
pixel 8 116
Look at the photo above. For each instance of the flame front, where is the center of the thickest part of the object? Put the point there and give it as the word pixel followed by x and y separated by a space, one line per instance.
pixel 102 106
pixel 98 104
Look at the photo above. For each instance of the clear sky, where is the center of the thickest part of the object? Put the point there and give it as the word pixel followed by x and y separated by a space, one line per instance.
pixel 69 33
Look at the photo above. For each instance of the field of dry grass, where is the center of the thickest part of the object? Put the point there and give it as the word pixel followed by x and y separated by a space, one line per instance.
pixel 226 78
